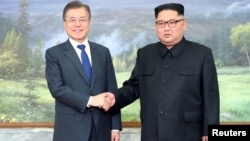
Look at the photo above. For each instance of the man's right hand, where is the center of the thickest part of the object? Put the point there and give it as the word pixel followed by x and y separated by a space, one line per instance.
pixel 103 100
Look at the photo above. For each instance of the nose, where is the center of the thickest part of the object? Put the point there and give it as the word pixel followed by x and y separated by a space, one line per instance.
pixel 78 22
pixel 166 27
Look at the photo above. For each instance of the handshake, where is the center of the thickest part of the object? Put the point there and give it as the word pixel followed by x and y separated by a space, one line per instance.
pixel 103 100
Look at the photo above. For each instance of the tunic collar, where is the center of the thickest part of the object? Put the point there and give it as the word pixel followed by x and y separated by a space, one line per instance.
pixel 175 50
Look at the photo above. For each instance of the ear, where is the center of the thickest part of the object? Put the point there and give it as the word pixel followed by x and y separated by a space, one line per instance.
pixel 185 24
pixel 64 24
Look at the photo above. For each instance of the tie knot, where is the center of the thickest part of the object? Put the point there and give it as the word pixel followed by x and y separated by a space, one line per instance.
pixel 82 47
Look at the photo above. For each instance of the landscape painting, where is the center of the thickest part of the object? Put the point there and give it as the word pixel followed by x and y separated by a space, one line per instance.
pixel 29 27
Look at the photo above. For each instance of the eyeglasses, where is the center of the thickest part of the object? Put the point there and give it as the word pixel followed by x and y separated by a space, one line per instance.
pixel 171 23
pixel 74 20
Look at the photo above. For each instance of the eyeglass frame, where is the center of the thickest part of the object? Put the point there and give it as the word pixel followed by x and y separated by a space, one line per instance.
pixel 74 20
pixel 173 22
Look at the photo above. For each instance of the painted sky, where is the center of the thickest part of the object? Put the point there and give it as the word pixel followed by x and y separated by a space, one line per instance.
pixel 45 16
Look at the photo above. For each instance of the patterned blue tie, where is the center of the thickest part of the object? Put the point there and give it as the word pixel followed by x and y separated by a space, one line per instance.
pixel 85 62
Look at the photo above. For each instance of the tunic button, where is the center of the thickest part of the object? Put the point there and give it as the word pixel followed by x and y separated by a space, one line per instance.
pixel 164 81
pixel 166 66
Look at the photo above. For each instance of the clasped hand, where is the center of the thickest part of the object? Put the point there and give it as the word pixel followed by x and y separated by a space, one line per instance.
pixel 103 100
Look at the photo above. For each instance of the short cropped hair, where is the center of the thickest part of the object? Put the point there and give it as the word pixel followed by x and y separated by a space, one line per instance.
pixel 74 5
pixel 179 8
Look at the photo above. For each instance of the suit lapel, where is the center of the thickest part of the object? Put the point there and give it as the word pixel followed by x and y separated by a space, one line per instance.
pixel 94 62
pixel 71 54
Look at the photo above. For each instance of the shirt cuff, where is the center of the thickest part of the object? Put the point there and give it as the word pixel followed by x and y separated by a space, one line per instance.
pixel 89 102
pixel 115 130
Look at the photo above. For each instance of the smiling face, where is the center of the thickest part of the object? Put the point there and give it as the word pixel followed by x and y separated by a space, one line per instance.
pixel 170 36
pixel 77 23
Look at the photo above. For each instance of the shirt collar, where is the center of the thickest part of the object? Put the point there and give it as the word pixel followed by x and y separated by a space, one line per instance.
pixel 75 44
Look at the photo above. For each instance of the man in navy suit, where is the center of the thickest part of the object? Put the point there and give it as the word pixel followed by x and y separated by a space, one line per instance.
pixel 80 113
pixel 176 81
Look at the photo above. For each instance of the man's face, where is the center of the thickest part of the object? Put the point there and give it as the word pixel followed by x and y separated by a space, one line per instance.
pixel 170 27
pixel 77 24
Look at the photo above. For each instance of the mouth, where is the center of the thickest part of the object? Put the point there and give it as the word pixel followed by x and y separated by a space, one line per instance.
pixel 166 35
pixel 77 30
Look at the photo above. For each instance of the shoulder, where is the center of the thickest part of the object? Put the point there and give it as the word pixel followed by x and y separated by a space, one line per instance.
pixel 98 48
pixel 196 45
pixel 58 46
pixel 150 47
pixel 97 45
pixel 197 49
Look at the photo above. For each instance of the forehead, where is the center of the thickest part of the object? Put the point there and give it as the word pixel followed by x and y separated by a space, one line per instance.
pixel 77 12
pixel 168 15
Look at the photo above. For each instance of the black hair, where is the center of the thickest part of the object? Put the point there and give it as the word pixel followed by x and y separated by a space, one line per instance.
pixel 179 8
pixel 73 5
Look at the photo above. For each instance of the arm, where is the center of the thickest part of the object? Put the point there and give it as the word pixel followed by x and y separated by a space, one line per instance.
pixel 211 102
pixel 129 92
pixel 63 80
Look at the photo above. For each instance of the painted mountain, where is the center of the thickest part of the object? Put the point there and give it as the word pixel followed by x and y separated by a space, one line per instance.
pixel 121 25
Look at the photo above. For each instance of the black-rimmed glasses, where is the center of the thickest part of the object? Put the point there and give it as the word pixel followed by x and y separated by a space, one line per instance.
pixel 171 23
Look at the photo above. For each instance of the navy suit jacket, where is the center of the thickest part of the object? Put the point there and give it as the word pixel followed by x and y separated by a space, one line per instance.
pixel 68 84
pixel 178 91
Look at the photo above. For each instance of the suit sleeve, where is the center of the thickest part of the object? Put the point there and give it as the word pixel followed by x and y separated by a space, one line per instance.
pixel 211 98
pixel 59 90
pixel 129 92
